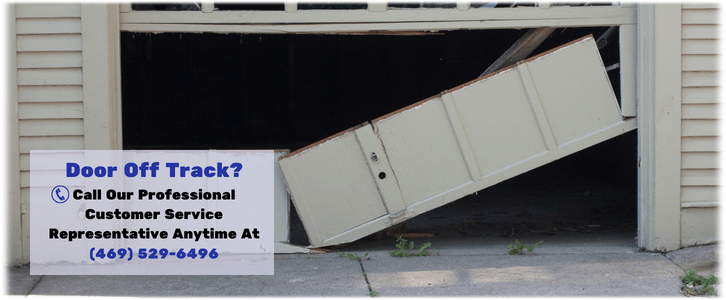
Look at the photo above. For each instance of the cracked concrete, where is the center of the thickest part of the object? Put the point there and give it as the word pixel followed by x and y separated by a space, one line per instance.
pixel 702 259
pixel 553 270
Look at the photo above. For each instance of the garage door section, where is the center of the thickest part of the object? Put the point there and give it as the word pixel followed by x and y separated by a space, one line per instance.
pixel 446 147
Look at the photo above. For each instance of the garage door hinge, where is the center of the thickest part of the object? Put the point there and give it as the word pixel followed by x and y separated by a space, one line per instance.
pixel 396 216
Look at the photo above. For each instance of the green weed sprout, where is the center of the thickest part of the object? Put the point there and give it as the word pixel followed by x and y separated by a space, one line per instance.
pixel 694 284
pixel 400 250
pixel 518 249
pixel 354 256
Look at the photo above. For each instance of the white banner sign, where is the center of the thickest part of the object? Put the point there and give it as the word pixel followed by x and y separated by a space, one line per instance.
pixel 152 212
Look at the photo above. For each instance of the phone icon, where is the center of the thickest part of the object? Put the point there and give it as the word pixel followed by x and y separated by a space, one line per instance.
pixel 60 194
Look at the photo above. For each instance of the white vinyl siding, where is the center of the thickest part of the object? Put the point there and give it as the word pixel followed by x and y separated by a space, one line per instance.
pixel 699 123
pixel 50 91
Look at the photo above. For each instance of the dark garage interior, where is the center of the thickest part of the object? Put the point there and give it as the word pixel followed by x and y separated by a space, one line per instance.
pixel 285 91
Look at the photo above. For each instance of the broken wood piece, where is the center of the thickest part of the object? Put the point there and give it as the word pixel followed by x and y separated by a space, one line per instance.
pixel 401 232
pixel 319 250
pixel 522 48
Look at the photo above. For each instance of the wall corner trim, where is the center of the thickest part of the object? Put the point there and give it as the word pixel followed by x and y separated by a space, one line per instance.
pixel 99 50
pixel 659 125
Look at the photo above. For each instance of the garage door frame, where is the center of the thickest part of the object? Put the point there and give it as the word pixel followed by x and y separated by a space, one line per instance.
pixel 657 84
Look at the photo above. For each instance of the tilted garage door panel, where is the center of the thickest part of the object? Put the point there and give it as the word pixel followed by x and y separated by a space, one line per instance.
pixel 423 151
pixel 336 191
pixel 498 120
pixel 445 147
pixel 574 107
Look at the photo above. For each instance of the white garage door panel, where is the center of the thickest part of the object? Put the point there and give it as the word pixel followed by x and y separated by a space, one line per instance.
pixel 487 109
pixel 423 151
pixel 574 107
pixel 379 167
pixel 332 187
pixel 445 147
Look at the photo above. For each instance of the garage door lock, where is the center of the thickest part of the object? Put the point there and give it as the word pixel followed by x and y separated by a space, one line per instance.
pixel 374 157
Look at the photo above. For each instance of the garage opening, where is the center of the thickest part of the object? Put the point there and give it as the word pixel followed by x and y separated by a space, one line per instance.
pixel 286 91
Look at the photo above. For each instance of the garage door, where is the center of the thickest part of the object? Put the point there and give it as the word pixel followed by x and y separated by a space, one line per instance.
pixel 443 148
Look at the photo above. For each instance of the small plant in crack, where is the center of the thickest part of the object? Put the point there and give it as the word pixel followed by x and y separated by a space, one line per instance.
pixel 518 249
pixel 401 250
pixel 354 256
pixel 374 293
pixel 693 284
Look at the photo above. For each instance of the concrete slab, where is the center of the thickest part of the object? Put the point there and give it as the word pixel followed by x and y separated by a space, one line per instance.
pixel 590 273
pixel 635 274
pixel 19 281
pixel 702 259
pixel 293 277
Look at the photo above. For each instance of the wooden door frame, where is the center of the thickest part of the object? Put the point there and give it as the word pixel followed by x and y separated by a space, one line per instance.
pixel 101 76
pixel 659 122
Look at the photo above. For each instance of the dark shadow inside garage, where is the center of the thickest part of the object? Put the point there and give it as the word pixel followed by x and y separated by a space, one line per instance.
pixel 254 91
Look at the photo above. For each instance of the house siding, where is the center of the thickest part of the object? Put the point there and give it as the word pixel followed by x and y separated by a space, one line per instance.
pixel 699 123
pixel 49 88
